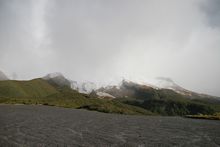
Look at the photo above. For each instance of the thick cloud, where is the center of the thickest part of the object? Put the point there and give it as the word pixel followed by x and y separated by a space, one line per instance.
pixel 102 41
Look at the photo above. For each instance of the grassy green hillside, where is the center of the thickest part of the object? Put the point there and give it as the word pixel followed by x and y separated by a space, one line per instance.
pixel 136 99
pixel 162 101
pixel 39 91
pixel 168 102
pixel 22 89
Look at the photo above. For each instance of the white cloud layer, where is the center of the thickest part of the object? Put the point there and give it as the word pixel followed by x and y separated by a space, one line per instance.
pixel 102 41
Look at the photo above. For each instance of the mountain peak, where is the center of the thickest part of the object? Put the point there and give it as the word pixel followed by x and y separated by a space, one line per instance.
pixel 167 83
pixel 58 79
pixel 53 75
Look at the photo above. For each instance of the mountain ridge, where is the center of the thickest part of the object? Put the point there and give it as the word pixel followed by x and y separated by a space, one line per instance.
pixel 128 97
pixel 88 87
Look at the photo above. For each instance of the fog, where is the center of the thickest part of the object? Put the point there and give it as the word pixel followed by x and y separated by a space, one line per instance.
pixel 104 41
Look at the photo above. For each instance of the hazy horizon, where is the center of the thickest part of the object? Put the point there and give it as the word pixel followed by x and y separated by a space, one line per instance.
pixel 104 41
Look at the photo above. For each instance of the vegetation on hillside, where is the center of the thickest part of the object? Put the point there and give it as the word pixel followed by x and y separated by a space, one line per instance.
pixel 135 99
pixel 25 89
pixel 38 91
pixel 168 102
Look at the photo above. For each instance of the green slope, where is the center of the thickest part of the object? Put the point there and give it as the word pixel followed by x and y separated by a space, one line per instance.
pixel 163 101
pixel 72 99
pixel 135 99
pixel 168 102
pixel 21 89
pixel 39 91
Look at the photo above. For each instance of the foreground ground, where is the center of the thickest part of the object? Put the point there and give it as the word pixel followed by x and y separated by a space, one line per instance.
pixel 23 125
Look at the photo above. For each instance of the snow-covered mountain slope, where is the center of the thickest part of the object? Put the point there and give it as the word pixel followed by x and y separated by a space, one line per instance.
pixel 3 76
pixel 167 83
pixel 123 89
pixel 128 88
pixel 83 87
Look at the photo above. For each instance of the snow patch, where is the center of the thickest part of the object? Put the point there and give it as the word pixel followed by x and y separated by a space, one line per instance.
pixel 104 94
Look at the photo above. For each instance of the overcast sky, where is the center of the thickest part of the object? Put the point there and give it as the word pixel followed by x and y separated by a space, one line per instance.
pixel 103 41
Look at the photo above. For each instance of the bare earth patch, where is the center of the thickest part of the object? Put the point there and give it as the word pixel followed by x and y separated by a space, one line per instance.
pixel 34 125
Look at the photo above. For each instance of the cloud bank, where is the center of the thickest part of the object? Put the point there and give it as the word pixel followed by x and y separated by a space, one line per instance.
pixel 103 41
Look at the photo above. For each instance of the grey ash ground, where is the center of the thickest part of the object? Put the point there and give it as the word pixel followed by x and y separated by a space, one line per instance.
pixel 23 125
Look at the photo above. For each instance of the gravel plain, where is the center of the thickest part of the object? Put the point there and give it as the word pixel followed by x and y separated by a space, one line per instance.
pixel 42 126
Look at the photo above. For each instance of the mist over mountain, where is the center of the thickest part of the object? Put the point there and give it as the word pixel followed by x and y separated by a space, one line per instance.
pixel 127 97
pixel 83 87
pixel 105 41
pixel 158 58
pixel 57 79
pixel 124 88
pixel 3 76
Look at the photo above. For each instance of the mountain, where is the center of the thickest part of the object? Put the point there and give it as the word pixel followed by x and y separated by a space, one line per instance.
pixel 54 90
pixel 133 89
pixel 124 89
pixel 161 100
pixel 128 97
pixel 3 76
pixel 57 79
pixel 167 83
pixel 129 89
pixel 90 88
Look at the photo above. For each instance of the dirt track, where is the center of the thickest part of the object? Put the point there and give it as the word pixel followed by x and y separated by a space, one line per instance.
pixel 22 125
